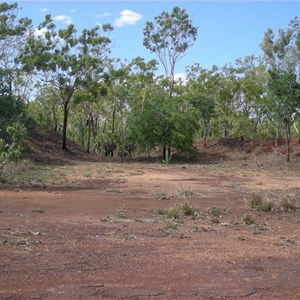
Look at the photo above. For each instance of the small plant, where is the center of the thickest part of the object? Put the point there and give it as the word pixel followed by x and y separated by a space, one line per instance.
pixel 162 211
pixel 187 192
pixel 266 206
pixel 38 210
pixel 174 213
pixel 171 225
pixel 216 212
pixel 163 196
pixel 188 210
pixel 249 219
pixel 136 173
pixel 215 220
pixel 114 191
pixel 105 219
pixel 255 200
pixel 288 205
pixel 122 214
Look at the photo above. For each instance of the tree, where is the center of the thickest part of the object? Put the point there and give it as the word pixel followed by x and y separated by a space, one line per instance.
pixel 13 33
pixel 64 60
pixel 46 109
pixel 285 102
pixel 169 37
pixel 283 56
pixel 201 89
pixel 159 122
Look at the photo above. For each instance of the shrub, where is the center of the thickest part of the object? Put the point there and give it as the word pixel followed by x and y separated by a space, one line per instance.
pixel 216 212
pixel 288 205
pixel 266 206
pixel 249 219
pixel 255 200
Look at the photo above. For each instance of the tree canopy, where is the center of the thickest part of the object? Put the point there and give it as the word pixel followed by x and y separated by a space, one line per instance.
pixel 67 81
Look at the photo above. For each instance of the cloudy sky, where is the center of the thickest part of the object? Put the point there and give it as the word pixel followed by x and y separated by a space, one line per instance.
pixel 227 30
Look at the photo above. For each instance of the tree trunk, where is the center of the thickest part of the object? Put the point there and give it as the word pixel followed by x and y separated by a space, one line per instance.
pixel 65 123
pixel 123 137
pixel 297 129
pixel 166 154
pixel 89 138
pixel 288 140
pixel 205 136
pixel 113 126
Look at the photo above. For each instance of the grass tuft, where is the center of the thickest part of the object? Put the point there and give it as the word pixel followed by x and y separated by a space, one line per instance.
pixel 249 219
pixel 287 205
pixel 38 210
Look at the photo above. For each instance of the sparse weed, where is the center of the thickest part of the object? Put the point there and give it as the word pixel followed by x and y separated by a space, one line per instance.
pixel 174 212
pixel 38 210
pixel 215 220
pixel 266 206
pixel 114 191
pixel 187 192
pixel 200 229
pixel 249 219
pixel 136 173
pixel 177 211
pixel 188 210
pixel 255 200
pixel 122 214
pixel 162 211
pixel 169 225
pixel 287 205
pixel 105 219
pixel 216 212
pixel 163 196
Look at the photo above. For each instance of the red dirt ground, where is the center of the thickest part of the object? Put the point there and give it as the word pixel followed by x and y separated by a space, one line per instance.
pixel 101 233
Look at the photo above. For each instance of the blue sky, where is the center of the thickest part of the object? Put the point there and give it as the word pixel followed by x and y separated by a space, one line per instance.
pixel 227 30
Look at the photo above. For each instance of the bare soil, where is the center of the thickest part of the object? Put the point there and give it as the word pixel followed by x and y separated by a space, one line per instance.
pixel 106 232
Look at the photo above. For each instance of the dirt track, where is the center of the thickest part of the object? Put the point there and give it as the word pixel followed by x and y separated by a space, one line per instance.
pixel 101 236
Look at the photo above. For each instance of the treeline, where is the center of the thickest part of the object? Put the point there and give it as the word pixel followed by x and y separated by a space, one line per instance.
pixel 67 81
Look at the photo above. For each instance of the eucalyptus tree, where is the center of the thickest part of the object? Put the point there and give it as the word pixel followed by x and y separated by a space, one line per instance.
pixel 282 57
pixel 13 31
pixel 286 100
pixel 64 60
pixel 160 122
pixel 13 117
pixel 202 88
pixel 116 98
pixel 250 101
pixel 169 37
pixel 228 88
pixel 46 108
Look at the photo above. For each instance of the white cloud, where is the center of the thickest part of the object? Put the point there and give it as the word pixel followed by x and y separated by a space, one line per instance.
pixel 73 10
pixel 128 17
pixel 180 76
pixel 44 9
pixel 100 16
pixel 40 32
pixel 65 19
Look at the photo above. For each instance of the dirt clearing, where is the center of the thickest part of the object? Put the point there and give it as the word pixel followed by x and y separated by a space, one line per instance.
pixel 137 231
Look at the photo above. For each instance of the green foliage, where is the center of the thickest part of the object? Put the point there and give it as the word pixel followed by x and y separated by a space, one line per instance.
pixel 169 37
pixel 287 205
pixel 69 62
pixel 249 219
pixel 178 211
pixel 17 132
pixel 255 201
pixel 161 121
pixel 216 212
